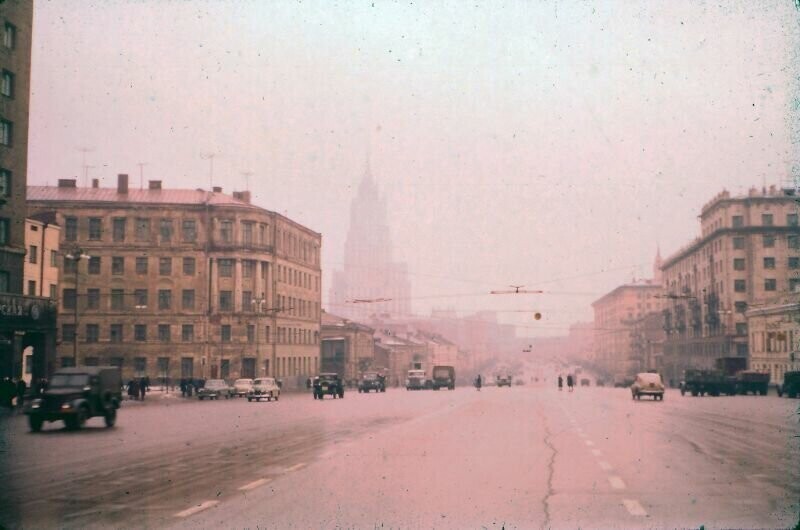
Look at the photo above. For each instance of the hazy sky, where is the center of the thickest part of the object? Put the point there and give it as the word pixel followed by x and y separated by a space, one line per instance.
pixel 516 143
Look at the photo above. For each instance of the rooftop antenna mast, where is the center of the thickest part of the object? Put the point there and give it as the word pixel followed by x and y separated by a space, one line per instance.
pixel 141 174
pixel 210 158
pixel 85 167
pixel 247 174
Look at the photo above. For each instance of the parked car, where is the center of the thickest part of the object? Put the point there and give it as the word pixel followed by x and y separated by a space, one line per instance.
pixel 416 380
pixel 791 385
pixel 264 388
pixel 648 384
pixel 328 384
pixel 504 380
pixel 241 387
pixel 76 394
pixel 213 389
pixel 372 381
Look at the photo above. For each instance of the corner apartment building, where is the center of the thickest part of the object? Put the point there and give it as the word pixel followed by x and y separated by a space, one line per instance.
pixel 747 252
pixel 175 283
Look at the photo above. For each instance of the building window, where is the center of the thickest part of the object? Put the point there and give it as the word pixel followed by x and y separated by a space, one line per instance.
pixel 7 84
pixel 140 298
pixel 189 230
pixel 94 265
pixel 142 229
pixel 187 299
pixel 739 286
pixel 92 361
pixel 165 266
pixel 95 228
pixel 163 366
pixel 251 333
pixel 53 291
pixel 266 334
pixel 226 268
pixel 4 280
pixel 115 333
pixel 117 265
pixel 189 266
pixel 225 333
pixel 793 242
pixel 31 287
pixel 769 263
pixel 117 299
pixel 141 265
pixel 766 219
pixel 164 333
pixel 68 333
pixel 769 241
pixel 33 254
pixel 791 219
pixel 247 301
pixel 225 368
pixel 187 332
pixel 770 284
pixel 262 234
pixel 6 133
pixel 741 328
pixel 93 299
pixel 225 300
pixel 10 36
pixel 165 230
pixel 738 243
pixel 164 298
pixel 53 258
pixel 226 231
pixel 187 366
pixel 140 365
pixel 794 263
pixel 92 333
pixel 71 228
pixel 68 298
pixel 738 264
pixel 737 221
pixel 248 268
pixel 5 183
pixel 794 285
pixel 118 229
pixel 140 333
pixel 5 230
pixel 70 266
pixel 247 233
pixel 740 307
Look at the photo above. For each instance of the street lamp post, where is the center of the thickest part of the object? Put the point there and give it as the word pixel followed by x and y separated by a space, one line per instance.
pixel 76 255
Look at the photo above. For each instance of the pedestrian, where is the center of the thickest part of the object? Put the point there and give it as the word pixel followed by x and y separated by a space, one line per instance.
pixel 142 388
pixel 569 382
pixel 7 391
pixel 22 386
pixel 183 387
pixel 560 383
pixel 133 389
pixel 478 382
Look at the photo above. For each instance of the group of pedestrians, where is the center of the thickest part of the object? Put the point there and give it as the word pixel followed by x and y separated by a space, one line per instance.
pixel 189 386
pixel 570 382
pixel 18 388
pixel 138 387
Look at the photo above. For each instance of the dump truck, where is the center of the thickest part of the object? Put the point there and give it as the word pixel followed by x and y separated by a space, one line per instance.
pixel 791 384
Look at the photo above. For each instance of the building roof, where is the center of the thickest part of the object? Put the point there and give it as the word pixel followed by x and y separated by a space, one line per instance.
pixel 331 320
pixel 627 286
pixel 148 196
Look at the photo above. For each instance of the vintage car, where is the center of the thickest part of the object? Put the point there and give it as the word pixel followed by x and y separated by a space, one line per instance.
pixel 77 394
pixel 241 387
pixel 328 384
pixel 372 381
pixel 648 384
pixel 213 389
pixel 264 388
pixel 504 380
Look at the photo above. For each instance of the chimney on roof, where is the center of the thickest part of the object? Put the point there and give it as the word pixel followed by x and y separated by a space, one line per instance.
pixel 67 183
pixel 95 183
pixel 216 189
pixel 155 184
pixel 243 196
pixel 122 183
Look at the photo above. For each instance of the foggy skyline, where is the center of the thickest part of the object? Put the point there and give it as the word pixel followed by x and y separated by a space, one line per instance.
pixel 514 143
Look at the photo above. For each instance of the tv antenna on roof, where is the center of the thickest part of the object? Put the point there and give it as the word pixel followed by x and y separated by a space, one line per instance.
pixel 85 167
pixel 210 158
pixel 141 174
pixel 247 174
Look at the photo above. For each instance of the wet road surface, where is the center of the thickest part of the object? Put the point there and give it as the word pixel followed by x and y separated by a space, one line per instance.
pixel 521 457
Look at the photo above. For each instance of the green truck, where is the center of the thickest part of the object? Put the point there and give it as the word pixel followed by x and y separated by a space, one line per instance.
pixel 729 376
pixel 791 385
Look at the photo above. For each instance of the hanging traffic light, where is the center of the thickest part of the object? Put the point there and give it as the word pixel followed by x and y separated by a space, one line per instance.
pixel 537 316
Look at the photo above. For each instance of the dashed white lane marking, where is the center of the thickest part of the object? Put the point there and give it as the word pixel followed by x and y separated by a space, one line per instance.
pixel 589 443
pixel 605 465
pixel 597 452
pixel 634 508
pixel 255 484
pixel 295 467
pixel 616 482
pixel 197 509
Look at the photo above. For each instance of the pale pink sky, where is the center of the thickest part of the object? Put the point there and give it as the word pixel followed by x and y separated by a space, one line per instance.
pixel 516 142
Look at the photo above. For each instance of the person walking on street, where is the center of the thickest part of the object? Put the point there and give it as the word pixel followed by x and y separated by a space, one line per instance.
pixel 21 388
pixel 569 382
pixel 560 383
pixel 142 388
pixel 478 382
pixel 183 387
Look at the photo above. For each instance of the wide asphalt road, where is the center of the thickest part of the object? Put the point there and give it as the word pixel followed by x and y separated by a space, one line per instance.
pixel 521 457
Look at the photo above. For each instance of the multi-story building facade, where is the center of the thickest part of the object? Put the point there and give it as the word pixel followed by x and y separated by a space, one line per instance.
pixel 747 251
pixel 615 318
pixel 347 347
pixel 774 332
pixel 40 273
pixel 183 283
pixel 26 322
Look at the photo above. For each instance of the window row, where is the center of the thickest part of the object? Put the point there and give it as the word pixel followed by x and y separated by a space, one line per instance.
pixel 768 263
pixel 119 300
pixel 163 333
pixel 297 307
pixel 767 219
pixel 226 268
pixel 251 233
pixel 142 229
pixel 298 278
pixel 768 241
pixel 770 284
pixel 141 265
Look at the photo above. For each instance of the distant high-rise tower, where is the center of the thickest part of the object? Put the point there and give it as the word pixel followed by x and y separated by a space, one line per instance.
pixel 369 272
